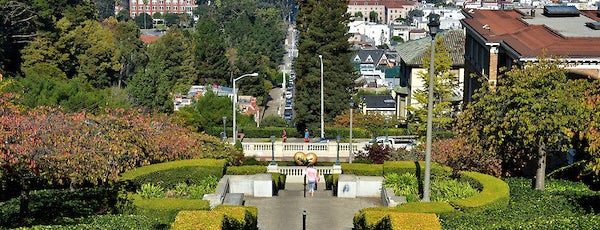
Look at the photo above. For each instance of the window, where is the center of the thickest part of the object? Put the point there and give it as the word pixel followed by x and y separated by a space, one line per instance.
pixel 133 7
pixel 162 8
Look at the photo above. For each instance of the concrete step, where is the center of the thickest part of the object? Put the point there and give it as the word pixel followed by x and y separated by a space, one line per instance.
pixel 297 190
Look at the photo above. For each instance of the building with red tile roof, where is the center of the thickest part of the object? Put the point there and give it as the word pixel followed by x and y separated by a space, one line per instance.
pixel 387 10
pixel 147 39
pixel 498 38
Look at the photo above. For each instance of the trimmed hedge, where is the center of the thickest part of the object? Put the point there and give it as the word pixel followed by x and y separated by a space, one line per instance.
pixel 442 209
pixel 105 222
pixel 362 169
pixel 494 194
pixel 131 174
pixel 246 170
pixel 164 210
pixel 169 174
pixel 379 220
pixel 223 217
pixel 416 168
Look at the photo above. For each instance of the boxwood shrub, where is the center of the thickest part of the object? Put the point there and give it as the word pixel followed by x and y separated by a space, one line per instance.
pixel 105 222
pixel 362 169
pixel 494 194
pixel 222 217
pixel 380 220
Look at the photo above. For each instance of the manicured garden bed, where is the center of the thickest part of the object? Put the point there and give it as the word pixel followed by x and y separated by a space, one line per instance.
pixel 564 205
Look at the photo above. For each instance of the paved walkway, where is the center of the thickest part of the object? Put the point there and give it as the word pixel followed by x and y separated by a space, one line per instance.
pixel 324 211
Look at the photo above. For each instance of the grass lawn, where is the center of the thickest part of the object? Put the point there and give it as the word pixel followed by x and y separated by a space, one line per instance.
pixel 564 205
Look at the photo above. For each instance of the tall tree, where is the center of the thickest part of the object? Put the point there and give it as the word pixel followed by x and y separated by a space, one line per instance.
pixel 323 31
pixel 170 70
pixel 210 52
pixel 133 52
pixel 445 82
pixel 18 25
pixel 525 115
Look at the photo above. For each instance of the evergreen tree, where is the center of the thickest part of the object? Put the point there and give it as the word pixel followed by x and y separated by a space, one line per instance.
pixel 170 70
pixel 323 31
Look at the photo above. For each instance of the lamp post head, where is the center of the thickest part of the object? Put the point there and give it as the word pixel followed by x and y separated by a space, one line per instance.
pixel 433 24
pixel 224 118
pixel 320 56
pixel 253 74
pixel 387 119
pixel 351 102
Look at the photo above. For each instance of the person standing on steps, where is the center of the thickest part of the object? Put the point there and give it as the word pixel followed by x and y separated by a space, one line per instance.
pixel 306 135
pixel 284 135
pixel 312 176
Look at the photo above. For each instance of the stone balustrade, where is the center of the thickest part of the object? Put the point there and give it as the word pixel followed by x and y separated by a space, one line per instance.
pixel 285 151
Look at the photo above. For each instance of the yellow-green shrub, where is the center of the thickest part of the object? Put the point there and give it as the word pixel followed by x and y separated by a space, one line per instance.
pixel 225 217
pixel 206 220
pixel 382 220
pixel 495 193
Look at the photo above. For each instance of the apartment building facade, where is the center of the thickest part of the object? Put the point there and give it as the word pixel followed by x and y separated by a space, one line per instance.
pixel 137 7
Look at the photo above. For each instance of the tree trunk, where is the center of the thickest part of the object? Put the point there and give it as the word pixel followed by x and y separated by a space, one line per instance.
pixel 24 204
pixel 540 174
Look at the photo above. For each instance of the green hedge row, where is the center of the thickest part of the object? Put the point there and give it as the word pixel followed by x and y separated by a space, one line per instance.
pixel 267 132
pixel 246 170
pixel 360 169
pixel 378 220
pixel 173 164
pixel 105 222
pixel 169 174
pixel 164 210
pixel 398 167
pixel 494 194
pixel 223 217
pixel 417 168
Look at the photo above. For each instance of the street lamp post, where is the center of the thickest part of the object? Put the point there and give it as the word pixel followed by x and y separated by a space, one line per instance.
pixel 337 158
pixel 387 121
pixel 273 151
pixel 224 128
pixel 351 148
pixel 433 25
pixel 322 105
pixel 235 102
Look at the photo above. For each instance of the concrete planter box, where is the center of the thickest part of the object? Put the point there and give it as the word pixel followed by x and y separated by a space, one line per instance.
pixel 369 186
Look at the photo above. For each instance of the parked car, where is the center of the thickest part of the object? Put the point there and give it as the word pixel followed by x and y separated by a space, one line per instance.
pixel 287 114
pixel 396 142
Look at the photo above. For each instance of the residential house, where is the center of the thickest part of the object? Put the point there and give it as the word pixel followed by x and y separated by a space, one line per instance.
pixel 378 104
pixel 411 56
pixel 497 39
pixel 247 105
pixel 376 67
pixel 377 34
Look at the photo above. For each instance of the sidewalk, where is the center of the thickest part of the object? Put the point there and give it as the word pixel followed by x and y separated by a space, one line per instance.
pixel 324 211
